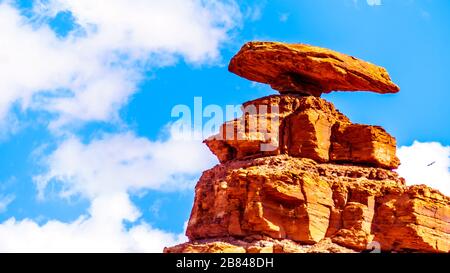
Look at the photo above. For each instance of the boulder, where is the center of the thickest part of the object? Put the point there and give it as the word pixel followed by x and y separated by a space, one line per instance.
pixel 308 70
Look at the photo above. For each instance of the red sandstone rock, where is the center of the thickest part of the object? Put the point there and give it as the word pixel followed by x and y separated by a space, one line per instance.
pixel 299 200
pixel 307 133
pixel 306 127
pixel 321 183
pixel 264 245
pixel 236 140
pixel 419 218
pixel 206 247
pixel 363 144
pixel 310 70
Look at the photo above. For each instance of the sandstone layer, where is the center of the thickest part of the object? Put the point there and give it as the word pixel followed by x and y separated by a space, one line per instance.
pixel 298 203
pixel 254 245
pixel 296 175
pixel 307 127
pixel 308 70
pixel 327 185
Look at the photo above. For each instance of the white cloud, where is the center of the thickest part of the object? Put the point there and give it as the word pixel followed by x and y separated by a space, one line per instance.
pixel 92 72
pixel 370 2
pixel 100 231
pixel 88 76
pixel 105 171
pixel 122 162
pixel 254 12
pixel 191 28
pixel 5 201
pixel 426 163
pixel 374 2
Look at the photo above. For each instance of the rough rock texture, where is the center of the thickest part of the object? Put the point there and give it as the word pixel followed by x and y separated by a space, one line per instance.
pixel 296 175
pixel 363 144
pixel 310 70
pixel 252 245
pixel 307 127
pixel 304 203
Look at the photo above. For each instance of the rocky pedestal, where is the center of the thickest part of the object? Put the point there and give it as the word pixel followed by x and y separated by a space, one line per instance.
pixel 296 175
pixel 307 127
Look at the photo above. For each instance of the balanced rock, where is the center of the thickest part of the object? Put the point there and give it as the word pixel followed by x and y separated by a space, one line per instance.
pixel 296 175
pixel 308 70
pixel 307 127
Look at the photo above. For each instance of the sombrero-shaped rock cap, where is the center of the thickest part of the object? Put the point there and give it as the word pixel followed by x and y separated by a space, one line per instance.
pixel 308 70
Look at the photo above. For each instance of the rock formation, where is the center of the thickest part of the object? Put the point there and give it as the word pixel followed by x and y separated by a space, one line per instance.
pixel 308 127
pixel 296 175
pixel 308 70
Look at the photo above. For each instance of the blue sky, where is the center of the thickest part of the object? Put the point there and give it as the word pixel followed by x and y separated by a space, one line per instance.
pixel 87 160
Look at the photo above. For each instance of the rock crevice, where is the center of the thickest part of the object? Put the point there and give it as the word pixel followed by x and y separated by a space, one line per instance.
pixel 296 175
pixel 306 127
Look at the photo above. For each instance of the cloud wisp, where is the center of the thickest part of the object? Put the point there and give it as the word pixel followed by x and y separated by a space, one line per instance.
pixel 374 2
pixel 5 201
pixel 88 75
pixel 119 163
pixel 106 171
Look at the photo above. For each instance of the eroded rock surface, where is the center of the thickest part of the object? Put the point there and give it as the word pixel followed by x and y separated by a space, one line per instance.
pixel 308 70
pixel 296 175
pixel 307 127
pixel 299 200
pixel 256 245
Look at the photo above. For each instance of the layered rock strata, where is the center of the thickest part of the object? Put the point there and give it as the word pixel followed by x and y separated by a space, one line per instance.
pixel 304 202
pixel 296 175
pixel 306 127
pixel 308 70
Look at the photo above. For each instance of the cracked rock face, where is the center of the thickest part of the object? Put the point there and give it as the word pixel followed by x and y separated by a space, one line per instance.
pixel 306 203
pixel 306 127
pixel 327 185
pixel 296 175
pixel 308 70
pixel 251 245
